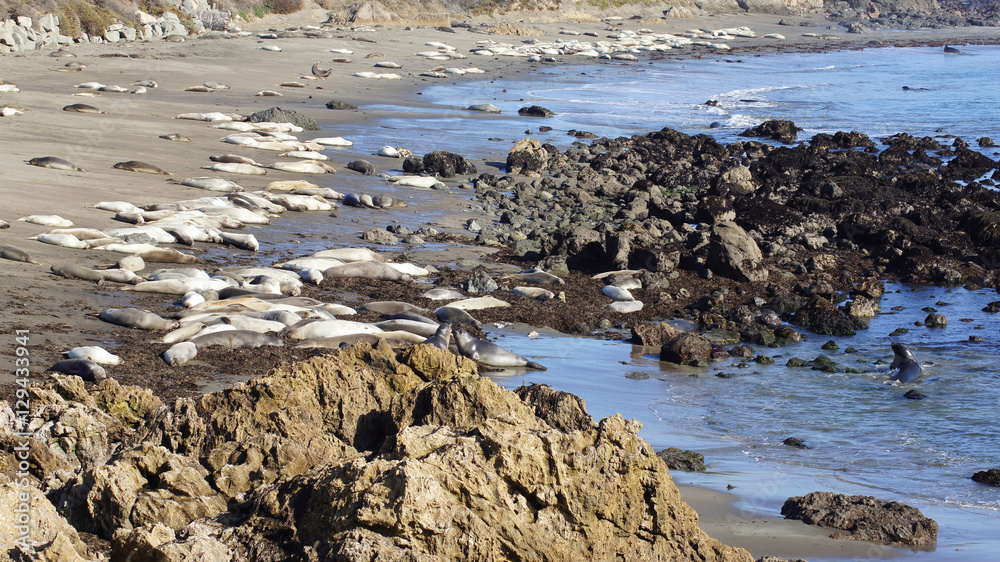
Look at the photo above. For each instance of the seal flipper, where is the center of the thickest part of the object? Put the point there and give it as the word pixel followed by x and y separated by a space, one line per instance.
pixel 536 366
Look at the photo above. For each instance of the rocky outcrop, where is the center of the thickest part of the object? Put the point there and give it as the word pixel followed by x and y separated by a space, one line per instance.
pixel 687 349
pixel 440 163
pixel 778 129
pixel 733 253
pixel 278 115
pixel 989 477
pixel 363 454
pixel 527 158
pixel 865 517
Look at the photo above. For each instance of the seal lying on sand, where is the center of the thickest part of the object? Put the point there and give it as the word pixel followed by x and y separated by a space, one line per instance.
pixel 136 166
pixel 55 164
pixel 490 353
pixel 909 367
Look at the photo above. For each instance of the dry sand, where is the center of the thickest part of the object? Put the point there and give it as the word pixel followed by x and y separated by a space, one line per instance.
pixel 55 309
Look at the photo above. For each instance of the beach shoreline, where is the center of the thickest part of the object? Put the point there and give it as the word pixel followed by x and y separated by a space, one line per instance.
pixel 57 310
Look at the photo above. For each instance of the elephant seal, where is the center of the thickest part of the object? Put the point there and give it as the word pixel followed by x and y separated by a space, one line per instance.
pixel 909 367
pixel 175 137
pixel 442 338
pixel 951 50
pixel 136 318
pixel 83 108
pixel 367 270
pixel 71 271
pixel 422 329
pixel 136 166
pixel 457 316
pixel 168 255
pixel 440 294
pixel 55 164
pixel 242 241
pixel 536 276
pixel 359 200
pixel 237 339
pixel 180 353
pixel 411 316
pixel 384 201
pixel 361 166
pixel 617 293
pixel 14 253
pixel 317 71
pixel 86 369
pixel 489 353
pixel 234 159
pixel 94 353
pixel 391 307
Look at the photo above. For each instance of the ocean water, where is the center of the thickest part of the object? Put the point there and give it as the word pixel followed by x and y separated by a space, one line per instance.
pixel 865 437
pixel 820 92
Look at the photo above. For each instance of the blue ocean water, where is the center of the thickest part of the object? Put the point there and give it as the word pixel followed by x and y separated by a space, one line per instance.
pixel 820 92
pixel 865 437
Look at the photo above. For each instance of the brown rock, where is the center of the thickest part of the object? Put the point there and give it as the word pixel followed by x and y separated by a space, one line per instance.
pixel 654 334
pixel 527 158
pixel 687 349
pixel 561 410
pixel 53 535
pixel 733 253
pixel 430 365
pixel 518 489
pixel 867 518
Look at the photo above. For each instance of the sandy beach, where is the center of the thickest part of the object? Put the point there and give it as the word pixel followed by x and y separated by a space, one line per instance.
pixel 60 312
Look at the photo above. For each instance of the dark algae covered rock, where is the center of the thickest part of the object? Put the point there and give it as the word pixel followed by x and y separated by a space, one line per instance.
pixel 864 517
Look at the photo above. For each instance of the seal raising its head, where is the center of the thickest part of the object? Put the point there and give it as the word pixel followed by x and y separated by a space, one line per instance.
pixel 909 367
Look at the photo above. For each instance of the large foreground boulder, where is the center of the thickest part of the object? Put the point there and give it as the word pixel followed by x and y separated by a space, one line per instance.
pixel 866 518
pixel 369 454
pixel 527 158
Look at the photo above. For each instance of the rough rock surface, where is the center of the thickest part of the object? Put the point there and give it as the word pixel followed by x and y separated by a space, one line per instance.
pixel 867 518
pixel 989 477
pixel 687 349
pixel 527 158
pixel 365 454
pixel 732 252
pixel 440 163
pixel 678 459
pixel 278 115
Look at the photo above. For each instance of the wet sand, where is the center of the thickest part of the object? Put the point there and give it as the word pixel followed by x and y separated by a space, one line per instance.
pixel 59 312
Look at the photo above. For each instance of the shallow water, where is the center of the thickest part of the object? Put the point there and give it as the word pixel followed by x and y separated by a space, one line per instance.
pixel 865 437
pixel 820 92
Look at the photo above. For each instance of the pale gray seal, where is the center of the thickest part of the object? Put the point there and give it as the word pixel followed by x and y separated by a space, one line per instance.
pixel 180 353
pixel 367 270
pixel 391 307
pixel 14 253
pixel 175 137
pixel 457 316
pixel 71 271
pixel 909 367
pixel 490 353
pixel 88 370
pixel 55 164
pixel 136 318
pixel 237 339
pixel 411 316
pixel 136 166
pixel 442 338
pixel 536 276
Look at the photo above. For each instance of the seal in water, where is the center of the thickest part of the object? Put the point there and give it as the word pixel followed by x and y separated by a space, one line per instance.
pixel 136 166
pixel 909 367
pixel 442 337
pixel 86 369
pixel 55 164
pixel 490 353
